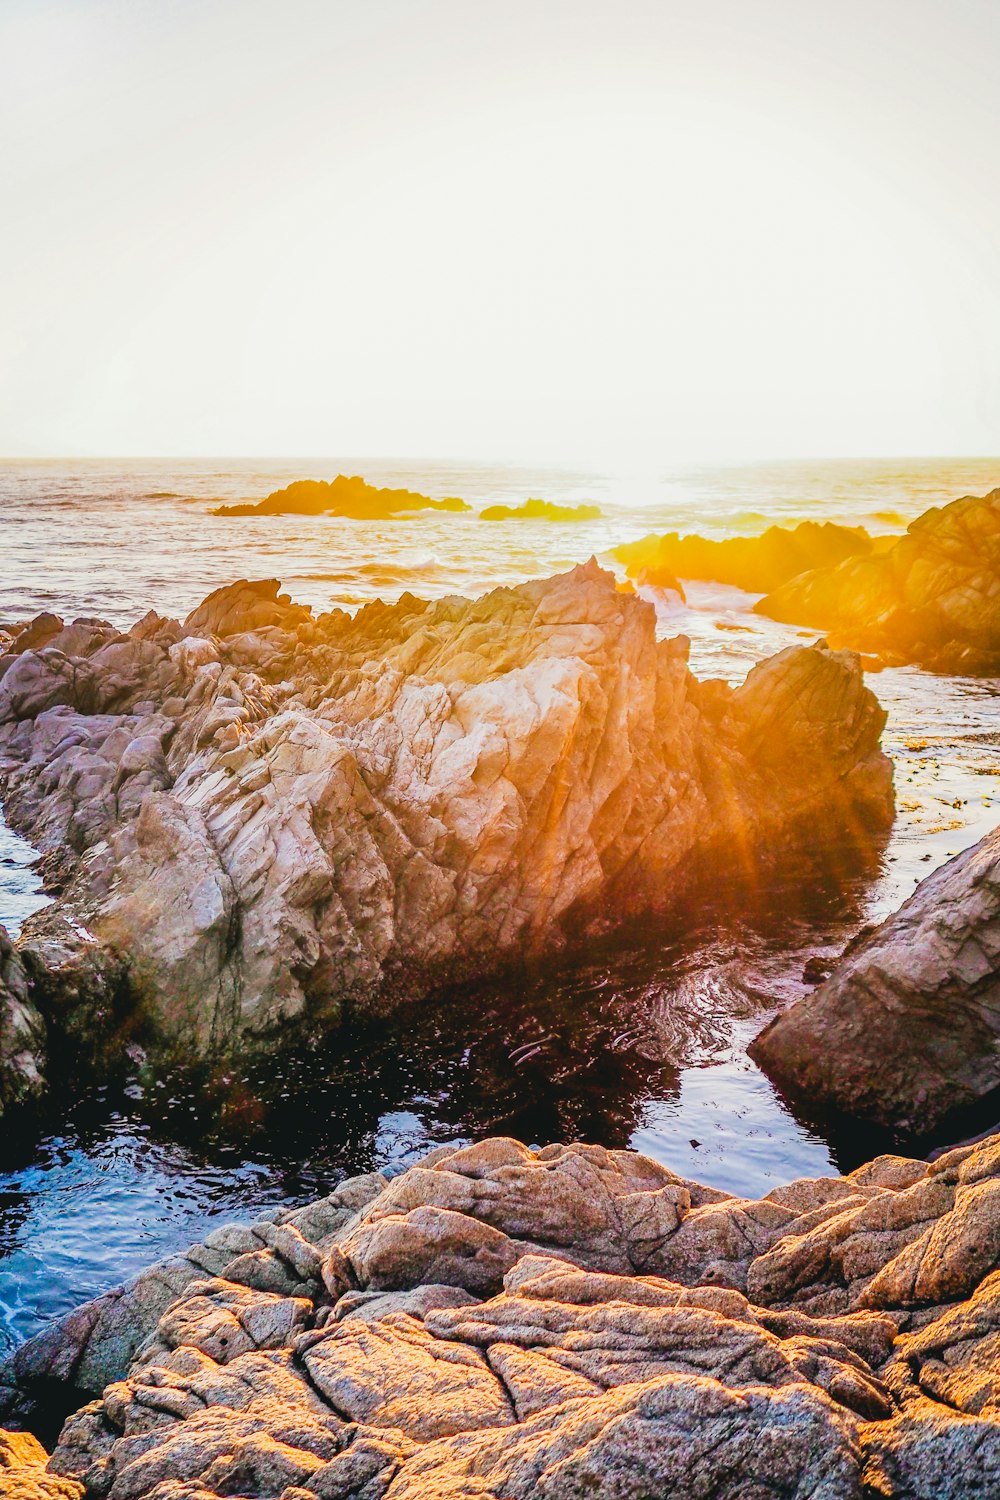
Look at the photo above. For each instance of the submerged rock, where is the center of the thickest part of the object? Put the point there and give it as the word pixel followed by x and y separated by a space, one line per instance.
pixel 907 1028
pixel 284 815
pixel 350 497
pixel 639 1335
pixel 754 563
pixel 933 597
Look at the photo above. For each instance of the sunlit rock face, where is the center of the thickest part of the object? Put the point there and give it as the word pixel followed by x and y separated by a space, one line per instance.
pixel 754 563
pixel 932 598
pixel 907 1028
pixel 509 1322
pixel 267 815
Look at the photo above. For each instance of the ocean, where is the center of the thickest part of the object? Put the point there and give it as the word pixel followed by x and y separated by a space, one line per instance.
pixel 642 1045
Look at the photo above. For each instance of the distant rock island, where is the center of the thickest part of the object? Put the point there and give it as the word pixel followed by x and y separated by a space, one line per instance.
pixel 541 510
pixel 348 496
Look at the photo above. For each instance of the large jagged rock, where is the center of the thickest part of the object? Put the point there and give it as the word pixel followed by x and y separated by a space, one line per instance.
pixel 640 1335
pixel 907 1028
pixel 932 598
pixel 757 564
pixel 288 815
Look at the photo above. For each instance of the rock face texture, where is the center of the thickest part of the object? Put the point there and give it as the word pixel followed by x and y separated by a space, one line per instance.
pixel 259 817
pixel 23 1471
pixel 22 1031
pixel 932 598
pixel 907 1028
pixel 504 1323
pixel 348 496
pixel 755 563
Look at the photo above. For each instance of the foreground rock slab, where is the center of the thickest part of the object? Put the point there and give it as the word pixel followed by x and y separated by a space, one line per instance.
pixel 259 818
pixel 502 1322
pixel 907 1028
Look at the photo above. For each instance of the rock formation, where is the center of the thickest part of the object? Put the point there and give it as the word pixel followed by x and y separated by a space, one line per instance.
pixel 540 510
pixel 350 497
pixel 260 817
pixel 509 1323
pixel 754 563
pixel 907 1028
pixel 933 597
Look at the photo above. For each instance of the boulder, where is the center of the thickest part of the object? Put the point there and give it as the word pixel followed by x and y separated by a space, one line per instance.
pixel 907 1027
pixel 933 597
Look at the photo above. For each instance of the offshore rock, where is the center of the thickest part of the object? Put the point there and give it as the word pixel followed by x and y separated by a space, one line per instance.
pixel 648 1336
pixel 283 815
pixel 932 598
pixel 757 564
pixel 348 496
pixel 23 1476
pixel 907 1028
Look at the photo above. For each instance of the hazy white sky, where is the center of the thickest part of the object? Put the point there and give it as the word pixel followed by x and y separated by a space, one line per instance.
pixel 588 230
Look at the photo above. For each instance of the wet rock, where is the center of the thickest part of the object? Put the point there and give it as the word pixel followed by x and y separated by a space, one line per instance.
pixel 862 1362
pixel 299 815
pixel 906 1029
pixel 932 597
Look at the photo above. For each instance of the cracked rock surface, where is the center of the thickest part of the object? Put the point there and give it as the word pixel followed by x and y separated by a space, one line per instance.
pixel 596 1325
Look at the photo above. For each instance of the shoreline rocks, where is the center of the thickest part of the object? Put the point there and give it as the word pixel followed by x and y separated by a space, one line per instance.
pixel 511 1322
pixel 259 817
pixel 906 1030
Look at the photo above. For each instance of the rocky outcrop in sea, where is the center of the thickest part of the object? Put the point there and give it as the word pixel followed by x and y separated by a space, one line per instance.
pixel 933 597
pixel 506 1322
pixel 260 818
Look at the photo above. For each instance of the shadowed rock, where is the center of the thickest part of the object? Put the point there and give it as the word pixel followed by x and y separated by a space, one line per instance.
pixel 907 1028
pixel 755 563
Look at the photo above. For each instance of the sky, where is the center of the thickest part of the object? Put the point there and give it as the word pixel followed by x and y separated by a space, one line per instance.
pixel 586 231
